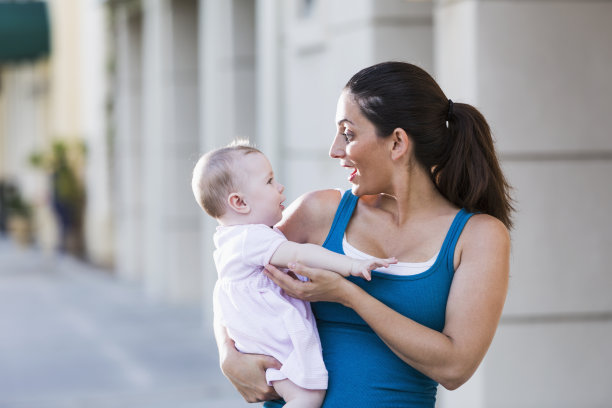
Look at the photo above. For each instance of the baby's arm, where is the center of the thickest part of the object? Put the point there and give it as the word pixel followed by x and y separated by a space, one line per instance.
pixel 318 257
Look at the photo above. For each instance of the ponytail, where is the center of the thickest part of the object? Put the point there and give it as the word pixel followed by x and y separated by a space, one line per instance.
pixel 469 175
pixel 452 139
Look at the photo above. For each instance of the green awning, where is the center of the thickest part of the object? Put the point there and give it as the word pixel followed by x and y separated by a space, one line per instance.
pixel 24 30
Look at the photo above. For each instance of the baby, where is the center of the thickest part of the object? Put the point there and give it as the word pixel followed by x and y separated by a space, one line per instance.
pixel 236 186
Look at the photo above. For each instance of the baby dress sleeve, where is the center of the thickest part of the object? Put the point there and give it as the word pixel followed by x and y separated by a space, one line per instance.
pixel 259 244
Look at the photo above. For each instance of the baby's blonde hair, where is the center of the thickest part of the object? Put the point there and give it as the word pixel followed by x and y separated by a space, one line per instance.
pixel 214 179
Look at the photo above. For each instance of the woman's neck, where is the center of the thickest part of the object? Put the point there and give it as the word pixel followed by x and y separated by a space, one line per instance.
pixel 413 196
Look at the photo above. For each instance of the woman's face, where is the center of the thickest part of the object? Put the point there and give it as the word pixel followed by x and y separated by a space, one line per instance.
pixel 359 149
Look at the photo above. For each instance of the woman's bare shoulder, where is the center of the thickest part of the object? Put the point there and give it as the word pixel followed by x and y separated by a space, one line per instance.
pixel 484 234
pixel 310 216
pixel 321 201
pixel 485 225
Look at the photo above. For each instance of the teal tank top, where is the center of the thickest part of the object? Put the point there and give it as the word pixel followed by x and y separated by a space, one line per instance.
pixel 363 371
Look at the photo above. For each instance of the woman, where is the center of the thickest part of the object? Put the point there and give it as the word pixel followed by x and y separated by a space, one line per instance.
pixel 427 189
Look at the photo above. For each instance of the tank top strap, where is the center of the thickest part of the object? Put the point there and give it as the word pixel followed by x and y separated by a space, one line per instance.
pixel 343 215
pixel 450 242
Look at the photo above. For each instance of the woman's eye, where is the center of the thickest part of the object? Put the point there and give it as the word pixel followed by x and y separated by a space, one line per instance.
pixel 347 136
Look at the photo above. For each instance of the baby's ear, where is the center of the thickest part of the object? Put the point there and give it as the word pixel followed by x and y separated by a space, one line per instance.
pixel 237 203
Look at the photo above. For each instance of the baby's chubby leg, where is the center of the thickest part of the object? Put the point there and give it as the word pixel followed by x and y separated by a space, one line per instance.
pixel 298 397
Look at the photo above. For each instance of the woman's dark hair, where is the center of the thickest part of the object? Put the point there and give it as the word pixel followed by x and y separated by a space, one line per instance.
pixel 453 140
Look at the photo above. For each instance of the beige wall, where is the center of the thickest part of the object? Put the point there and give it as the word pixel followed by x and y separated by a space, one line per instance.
pixel 65 97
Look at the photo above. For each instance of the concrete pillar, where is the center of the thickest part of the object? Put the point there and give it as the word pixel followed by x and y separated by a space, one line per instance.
pixel 544 86
pixel 156 126
pixel 24 129
pixel 180 146
pixel 24 92
pixel 228 71
pixel 242 67
pixel 171 231
pixel 128 146
pixel 93 60
pixel 324 45
pixel 269 113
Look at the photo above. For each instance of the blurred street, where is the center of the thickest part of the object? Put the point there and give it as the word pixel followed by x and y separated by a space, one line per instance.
pixel 74 336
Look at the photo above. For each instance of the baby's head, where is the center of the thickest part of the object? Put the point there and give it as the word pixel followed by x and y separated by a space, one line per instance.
pixel 236 185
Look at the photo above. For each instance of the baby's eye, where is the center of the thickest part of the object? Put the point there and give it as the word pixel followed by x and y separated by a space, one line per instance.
pixel 270 180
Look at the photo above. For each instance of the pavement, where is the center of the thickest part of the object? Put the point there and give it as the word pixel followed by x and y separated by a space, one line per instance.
pixel 75 336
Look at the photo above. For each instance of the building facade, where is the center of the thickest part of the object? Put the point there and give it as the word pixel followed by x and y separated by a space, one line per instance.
pixel 50 93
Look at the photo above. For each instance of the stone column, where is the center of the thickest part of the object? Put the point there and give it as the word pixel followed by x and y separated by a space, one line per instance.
pixel 180 146
pixel 170 126
pixel 269 113
pixel 539 72
pixel 93 87
pixel 24 129
pixel 128 146
pixel 156 127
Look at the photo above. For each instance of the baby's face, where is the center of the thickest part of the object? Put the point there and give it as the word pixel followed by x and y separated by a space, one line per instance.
pixel 262 192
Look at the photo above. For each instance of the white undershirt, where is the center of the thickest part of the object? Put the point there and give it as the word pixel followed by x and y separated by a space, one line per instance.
pixel 400 268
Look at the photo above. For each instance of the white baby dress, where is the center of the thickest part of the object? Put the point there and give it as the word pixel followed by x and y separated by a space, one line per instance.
pixel 259 316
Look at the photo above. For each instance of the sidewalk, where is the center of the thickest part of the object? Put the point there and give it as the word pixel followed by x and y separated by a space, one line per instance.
pixel 73 336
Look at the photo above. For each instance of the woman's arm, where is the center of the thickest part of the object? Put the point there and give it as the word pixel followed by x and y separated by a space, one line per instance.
pixel 247 372
pixel 473 310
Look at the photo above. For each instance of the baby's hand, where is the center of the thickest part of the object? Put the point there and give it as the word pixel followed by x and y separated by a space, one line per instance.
pixel 362 267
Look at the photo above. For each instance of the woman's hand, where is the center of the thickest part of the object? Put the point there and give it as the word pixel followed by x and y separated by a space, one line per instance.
pixel 247 372
pixel 322 285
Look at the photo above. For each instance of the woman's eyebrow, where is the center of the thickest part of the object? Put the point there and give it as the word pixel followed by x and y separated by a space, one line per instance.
pixel 341 121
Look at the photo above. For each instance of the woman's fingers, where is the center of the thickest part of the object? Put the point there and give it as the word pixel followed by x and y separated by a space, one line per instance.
pixel 270 362
pixel 303 270
pixel 274 272
pixel 248 376
pixel 268 393
pixel 288 283
pixel 322 285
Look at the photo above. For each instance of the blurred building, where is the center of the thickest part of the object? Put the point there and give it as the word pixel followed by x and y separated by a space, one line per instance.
pixel 52 88
pixel 185 76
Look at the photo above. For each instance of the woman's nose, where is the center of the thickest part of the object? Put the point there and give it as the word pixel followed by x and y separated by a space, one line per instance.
pixel 336 150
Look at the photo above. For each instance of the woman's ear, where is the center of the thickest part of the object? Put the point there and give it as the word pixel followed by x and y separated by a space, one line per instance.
pixel 402 144
pixel 237 203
